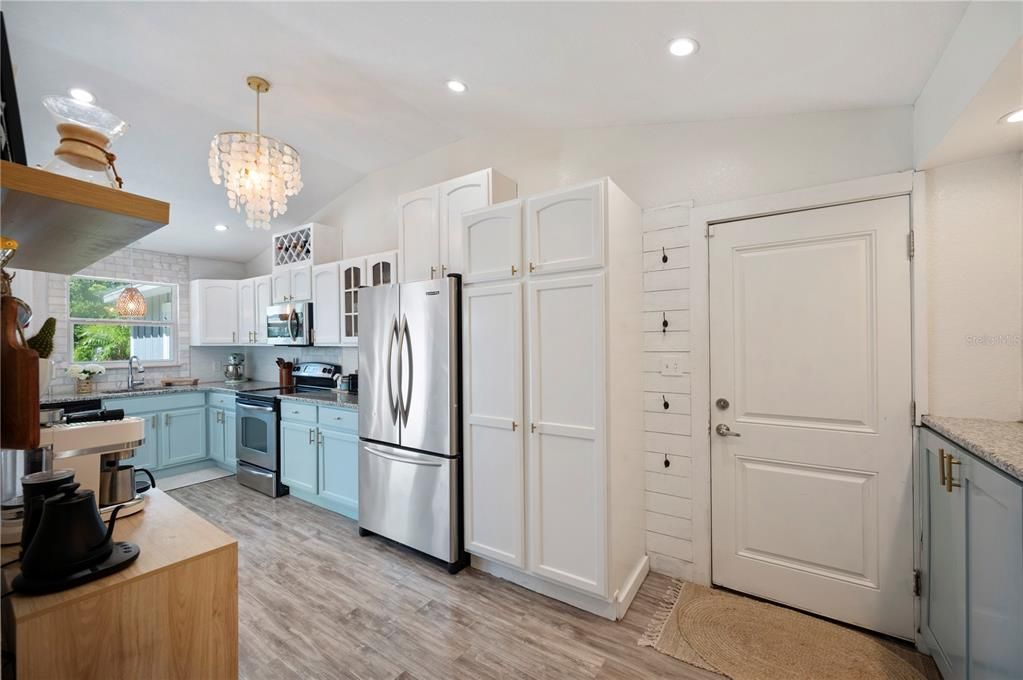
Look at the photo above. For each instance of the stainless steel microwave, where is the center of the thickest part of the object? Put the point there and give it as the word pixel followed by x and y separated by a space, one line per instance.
pixel 289 324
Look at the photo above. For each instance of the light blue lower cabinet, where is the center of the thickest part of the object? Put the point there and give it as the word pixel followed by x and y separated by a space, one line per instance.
pixel 215 433
pixel 339 471
pixel 146 455
pixel 298 456
pixel 183 437
pixel 230 440
pixel 321 464
pixel 972 569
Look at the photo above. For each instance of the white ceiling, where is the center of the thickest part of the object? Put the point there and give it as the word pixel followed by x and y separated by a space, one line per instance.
pixel 360 86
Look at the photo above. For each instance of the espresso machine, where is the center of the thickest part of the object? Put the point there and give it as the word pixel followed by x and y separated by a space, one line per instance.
pixel 234 369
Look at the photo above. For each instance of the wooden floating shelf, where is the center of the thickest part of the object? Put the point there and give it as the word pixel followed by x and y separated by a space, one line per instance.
pixel 63 225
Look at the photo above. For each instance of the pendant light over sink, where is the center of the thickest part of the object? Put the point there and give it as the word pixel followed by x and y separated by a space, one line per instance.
pixel 131 303
pixel 259 172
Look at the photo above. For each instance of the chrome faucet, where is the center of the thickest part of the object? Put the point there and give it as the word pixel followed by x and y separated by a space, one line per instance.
pixel 132 382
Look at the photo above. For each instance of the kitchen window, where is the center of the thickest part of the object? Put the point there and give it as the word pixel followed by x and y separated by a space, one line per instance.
pixel 99 335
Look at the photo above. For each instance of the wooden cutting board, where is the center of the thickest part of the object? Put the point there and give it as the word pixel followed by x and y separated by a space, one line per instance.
pixel 179 382
pixel 19 383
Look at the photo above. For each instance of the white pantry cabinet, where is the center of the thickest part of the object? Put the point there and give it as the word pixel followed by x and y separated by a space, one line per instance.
pixel 326 304
pixel 214 311
pixel 492 243
pixel 353 275
pixel 430 222
pixel 569 359
pixel 292 283
pixel 382 268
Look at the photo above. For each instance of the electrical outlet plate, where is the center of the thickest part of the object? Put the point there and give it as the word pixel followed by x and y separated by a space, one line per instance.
pixel 671 366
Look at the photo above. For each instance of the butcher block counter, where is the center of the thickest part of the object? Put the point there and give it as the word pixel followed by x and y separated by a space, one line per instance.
pixel 172 614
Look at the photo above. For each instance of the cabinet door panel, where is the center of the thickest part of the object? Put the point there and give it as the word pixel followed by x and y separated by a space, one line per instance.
pixel 567 440
pixel 339 471
pixel 264 296
pixel 458 196
pixel 230 439
pixel 382 268
pixel 994 547
pixel 302 283
pixel 494 480
pixel 944 576
pixel 247 311
pixel 492 243
pixel 217 309
pixel 566 229
pixel 183 436
pixel 298 456
pixel 418 236
pixel 327 304
pixel 215 433
pixel 281 284
pixel 353 275
pixel 146 455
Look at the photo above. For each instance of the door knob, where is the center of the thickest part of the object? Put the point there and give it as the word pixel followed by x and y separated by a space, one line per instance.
pixel 725 431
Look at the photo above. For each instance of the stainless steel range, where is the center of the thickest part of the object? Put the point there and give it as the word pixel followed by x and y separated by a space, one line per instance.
pixel 258 426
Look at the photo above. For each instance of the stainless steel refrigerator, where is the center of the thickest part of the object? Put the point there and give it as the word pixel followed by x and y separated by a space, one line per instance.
pixel 410 431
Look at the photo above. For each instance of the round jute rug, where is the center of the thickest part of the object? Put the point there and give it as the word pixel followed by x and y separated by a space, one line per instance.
pixel 746 639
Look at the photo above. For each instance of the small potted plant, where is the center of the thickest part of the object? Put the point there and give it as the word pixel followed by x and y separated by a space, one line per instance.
pixel 83 376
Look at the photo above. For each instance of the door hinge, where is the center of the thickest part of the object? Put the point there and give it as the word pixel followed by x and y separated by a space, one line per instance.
pixel 911 244
pixel 916 582
pixel 912 411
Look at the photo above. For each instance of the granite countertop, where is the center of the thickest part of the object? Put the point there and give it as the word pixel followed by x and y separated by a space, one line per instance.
pixel 113 393
pixel 340 399
pixel 999 442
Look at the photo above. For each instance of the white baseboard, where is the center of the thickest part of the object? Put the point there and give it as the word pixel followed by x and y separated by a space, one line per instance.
pixel 590 603
pixel 632 584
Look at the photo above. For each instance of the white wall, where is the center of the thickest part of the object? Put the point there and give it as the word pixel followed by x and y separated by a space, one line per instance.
pixel 205 268
pixel 975 288
pixel 709 161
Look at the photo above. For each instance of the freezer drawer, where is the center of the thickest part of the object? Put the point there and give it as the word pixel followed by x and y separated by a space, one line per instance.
pixel 411 498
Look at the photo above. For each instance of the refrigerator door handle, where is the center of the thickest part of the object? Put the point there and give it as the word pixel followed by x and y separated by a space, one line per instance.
pixel 392 398
pixel 405 342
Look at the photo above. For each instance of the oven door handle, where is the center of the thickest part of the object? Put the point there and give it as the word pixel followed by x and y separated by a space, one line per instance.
pixel 268 409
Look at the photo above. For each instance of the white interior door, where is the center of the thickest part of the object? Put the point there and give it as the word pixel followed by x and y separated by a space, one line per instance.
pixel 326 304
pixel 566 229
pixel 458 196
pixel 495 511
pixel 492 243
pixel 810 345
pixel 567 459
pixel 418 236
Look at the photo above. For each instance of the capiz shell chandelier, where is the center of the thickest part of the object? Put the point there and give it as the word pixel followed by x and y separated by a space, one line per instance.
pixel 259 172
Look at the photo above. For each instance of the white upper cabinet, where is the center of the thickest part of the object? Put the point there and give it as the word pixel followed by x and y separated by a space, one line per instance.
pixel 381 268
pixel 430 222
pixel 326 304
pixel 418 236
pixel 566 229
pixel 353 275
pixel 309 244
pixel 264 295
pixel 247 316
pixel 495 506
pixel 214 312
pixel 492 243
pixel 293 283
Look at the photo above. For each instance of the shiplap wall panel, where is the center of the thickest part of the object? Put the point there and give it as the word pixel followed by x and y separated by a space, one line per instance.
pixel 666 298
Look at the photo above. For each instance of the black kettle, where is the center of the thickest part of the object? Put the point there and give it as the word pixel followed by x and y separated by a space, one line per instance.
pixel 71 536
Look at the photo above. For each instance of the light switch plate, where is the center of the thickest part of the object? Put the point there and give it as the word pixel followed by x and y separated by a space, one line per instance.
pixel 671 366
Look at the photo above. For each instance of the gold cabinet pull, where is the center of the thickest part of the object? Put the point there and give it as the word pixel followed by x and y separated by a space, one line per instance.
pixel 515 426
pixel 433 270
pixel 443 270
pixel 532 267
pixel 514 270
pixel 532 427
pixel 949 462
pixel 941 468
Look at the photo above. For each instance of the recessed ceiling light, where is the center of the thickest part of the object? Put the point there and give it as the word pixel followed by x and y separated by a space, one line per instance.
pixel 457 86
pixel 220 227
pixel 1013 117
pixel 81 95
pixel 683 47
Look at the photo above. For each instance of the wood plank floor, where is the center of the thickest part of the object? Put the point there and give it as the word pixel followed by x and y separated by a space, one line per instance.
pixel 317 601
